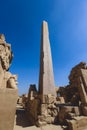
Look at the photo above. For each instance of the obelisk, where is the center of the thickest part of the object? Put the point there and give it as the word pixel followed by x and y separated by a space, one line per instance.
pixel 46 76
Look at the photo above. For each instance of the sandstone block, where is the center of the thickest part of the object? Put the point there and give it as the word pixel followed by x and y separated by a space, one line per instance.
pixel 8 100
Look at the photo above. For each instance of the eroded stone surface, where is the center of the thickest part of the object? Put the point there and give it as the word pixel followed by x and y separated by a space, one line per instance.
pixel 8 87
pixel 7 80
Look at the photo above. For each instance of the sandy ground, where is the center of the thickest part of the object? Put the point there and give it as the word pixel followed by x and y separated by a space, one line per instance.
pixel 47 127
pixel 21 123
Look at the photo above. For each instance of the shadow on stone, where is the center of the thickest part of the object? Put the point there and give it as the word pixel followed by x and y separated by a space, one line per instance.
pixel 21 119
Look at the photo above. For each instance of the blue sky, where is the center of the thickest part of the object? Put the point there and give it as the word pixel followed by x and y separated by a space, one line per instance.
pixel 20 22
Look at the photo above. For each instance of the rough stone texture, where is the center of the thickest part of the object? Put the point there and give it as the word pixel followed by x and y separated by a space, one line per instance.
pixel 7 80
pixel 78 77
pixel 75 95
pixel 8 87
pixel 46 77
pixel 68 112
pixel 8 98
pixel 76 92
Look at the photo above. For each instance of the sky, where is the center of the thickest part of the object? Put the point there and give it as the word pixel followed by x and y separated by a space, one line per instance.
pixel 20 22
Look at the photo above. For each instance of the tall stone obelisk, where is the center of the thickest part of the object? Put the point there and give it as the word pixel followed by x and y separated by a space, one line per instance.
pixel 46 76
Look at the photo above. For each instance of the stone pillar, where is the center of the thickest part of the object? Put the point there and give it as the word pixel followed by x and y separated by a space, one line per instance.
pixel 46 77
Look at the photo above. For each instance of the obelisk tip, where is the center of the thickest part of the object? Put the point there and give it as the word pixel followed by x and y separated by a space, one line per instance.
pixel 45 28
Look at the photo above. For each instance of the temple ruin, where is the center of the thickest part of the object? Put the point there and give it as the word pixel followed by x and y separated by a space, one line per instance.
pixel 8 87
pixel 65 105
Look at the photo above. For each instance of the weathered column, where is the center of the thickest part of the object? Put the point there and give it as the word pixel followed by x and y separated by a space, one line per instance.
pixel 46 76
